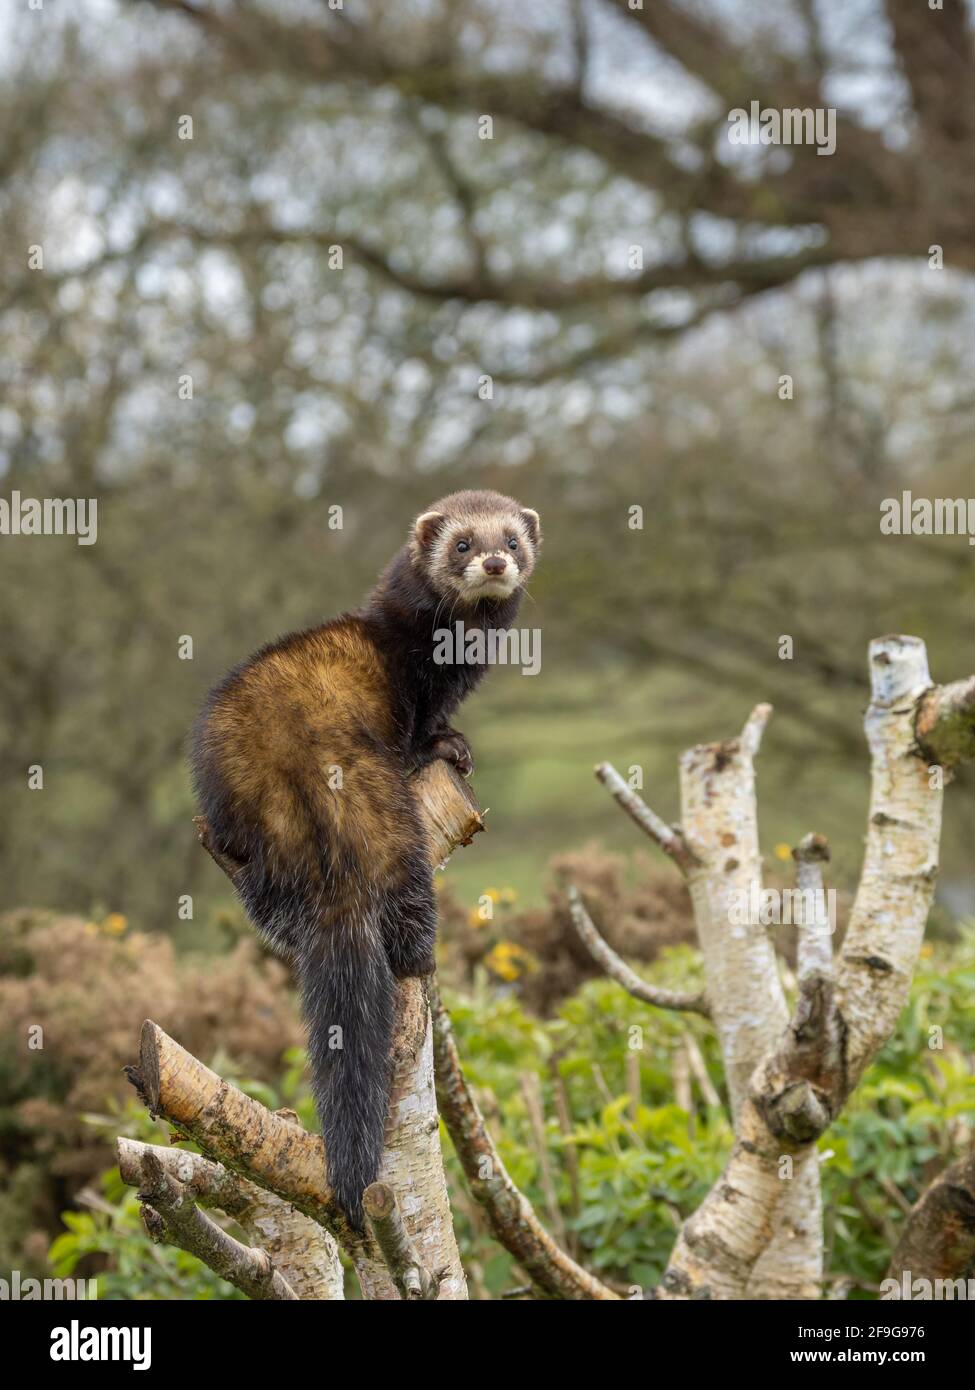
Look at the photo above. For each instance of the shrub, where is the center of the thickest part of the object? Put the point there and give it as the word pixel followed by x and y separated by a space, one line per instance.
pixel 73 994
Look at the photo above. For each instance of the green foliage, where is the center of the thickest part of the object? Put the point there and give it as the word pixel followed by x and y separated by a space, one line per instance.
pixel 137 1269
pixel 643 1166
pixel 73 995
pixel 912 1114
pixel 639 1175
pixel 641 1169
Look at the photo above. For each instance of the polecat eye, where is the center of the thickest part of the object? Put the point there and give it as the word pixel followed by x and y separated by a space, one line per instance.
pixel 463 545
pixel 513 543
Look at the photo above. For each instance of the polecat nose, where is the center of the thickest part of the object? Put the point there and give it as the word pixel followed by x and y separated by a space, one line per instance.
pixel 495 564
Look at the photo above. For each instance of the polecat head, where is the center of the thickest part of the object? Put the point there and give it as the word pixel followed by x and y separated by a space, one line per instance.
pixel 476 545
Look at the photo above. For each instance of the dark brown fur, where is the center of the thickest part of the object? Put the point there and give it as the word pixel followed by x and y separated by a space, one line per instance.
pixel 302 762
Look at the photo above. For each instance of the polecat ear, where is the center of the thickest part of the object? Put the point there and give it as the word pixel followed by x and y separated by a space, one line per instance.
pixel 534 523
pixel 427 527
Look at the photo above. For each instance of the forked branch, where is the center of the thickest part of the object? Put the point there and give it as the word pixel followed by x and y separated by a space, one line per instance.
pixel 171 1215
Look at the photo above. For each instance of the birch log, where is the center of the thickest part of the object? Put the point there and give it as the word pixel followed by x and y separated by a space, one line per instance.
pixel 719 816
pixel 305 1254
pixel 834 1035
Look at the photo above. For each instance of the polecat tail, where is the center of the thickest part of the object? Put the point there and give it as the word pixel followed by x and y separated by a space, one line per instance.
pixel 347 992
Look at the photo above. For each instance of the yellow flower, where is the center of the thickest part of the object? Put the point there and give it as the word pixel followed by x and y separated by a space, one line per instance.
pixel 783 851
pixel 493 894
pixel 508 895
pixel 927 951
pixel 474 918
pixel 508 960
pixel 115 924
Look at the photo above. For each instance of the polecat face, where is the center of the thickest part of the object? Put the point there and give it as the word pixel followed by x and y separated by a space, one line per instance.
pixel 476 545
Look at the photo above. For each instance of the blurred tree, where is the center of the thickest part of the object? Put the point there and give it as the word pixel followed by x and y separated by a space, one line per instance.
pixel 171 262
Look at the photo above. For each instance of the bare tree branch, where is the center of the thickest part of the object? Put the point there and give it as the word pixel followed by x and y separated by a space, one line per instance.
pixel 413 1280
pixel 171 1214
pixel 935 49
pixel 511 1217
pixel 305 1254
pixel 617 969
pixel 670 839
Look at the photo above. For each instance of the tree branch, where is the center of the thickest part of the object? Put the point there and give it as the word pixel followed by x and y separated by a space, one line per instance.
pixel 669 838
pixel 171 1215
pixel 935 50
pixel 305 1254
pixel 805 192
pixel 413 1280
pixel 509 1214
pixel 945 724
pixel 938 1239
pixel 815 950
pixel 617 969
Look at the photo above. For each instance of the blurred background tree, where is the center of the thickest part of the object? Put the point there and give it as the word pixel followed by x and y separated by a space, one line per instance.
pixel 169 258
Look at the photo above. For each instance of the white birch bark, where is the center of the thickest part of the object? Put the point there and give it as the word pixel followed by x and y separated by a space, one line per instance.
pixel 900 866
pixel 800 1087
pixel 304 1252
pixel 413 1160
pixel 719 818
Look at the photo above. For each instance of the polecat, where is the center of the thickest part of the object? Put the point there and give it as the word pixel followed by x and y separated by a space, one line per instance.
pixel 302 760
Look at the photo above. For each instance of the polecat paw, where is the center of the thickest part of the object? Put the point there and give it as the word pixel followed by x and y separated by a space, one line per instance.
pixel 454 748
